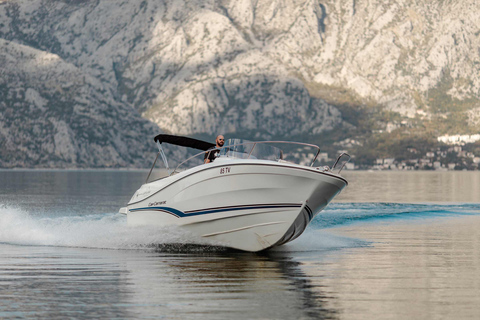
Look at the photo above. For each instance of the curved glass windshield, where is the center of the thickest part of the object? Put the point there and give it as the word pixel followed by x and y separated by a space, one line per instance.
pixel 244 149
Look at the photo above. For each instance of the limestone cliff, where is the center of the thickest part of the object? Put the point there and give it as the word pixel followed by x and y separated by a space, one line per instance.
pixel 53 115
pixel 259 68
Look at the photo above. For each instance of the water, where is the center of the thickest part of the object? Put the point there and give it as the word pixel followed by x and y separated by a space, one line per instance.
pixel 412 186
pixel 393 246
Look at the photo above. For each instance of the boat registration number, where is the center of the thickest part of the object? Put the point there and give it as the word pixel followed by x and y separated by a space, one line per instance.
pixel 225 170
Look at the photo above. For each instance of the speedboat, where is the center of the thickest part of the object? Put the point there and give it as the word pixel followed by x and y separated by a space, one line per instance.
pixel 251 197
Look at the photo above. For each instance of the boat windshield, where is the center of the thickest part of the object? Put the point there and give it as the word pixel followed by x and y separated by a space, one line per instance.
pixel 297 152
pixel 244 149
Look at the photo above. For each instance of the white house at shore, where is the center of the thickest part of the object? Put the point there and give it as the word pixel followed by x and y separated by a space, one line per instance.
pixel 459 139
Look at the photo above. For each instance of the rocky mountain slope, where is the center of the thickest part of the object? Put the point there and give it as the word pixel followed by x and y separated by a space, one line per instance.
pixel 255 68
pixel 55 115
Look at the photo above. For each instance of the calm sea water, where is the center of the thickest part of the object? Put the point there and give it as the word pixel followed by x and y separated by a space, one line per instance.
pixel 395 245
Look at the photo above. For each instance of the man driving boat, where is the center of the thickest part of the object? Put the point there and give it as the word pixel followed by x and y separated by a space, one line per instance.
pixel 213 152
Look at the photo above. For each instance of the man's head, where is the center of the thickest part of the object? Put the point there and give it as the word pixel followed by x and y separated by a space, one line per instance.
pixel 220 141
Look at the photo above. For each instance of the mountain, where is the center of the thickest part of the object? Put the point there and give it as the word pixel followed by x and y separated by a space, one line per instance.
pixel 54 115
pixel 326 70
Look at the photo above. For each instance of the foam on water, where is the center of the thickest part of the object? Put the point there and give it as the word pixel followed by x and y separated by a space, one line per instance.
pixel 320 240
pixel 346 213
pixel 110 231
pixel 20 227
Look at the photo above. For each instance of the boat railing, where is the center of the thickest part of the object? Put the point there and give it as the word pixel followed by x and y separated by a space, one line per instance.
pixel 253 150
pixel 340 163
pixel 246 150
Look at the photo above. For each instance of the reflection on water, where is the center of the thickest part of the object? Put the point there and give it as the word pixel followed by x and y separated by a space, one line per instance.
pixel 411 186
pixel 411 270
pixel 59 283
pixel 375 261
pixel 69 192
pixel 219 286
pixel 426 270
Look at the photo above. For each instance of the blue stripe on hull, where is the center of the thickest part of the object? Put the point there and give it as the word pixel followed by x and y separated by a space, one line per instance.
pixel 181 214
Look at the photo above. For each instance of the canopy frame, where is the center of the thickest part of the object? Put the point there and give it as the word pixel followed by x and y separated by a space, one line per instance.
pixel 178 141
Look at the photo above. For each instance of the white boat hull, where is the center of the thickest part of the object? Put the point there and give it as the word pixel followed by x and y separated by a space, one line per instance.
pixel 250 205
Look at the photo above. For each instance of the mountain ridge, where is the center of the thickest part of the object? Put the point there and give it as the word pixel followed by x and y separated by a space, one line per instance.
pixel 264 69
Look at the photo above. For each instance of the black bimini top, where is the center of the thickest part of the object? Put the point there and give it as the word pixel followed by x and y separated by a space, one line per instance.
pixel 184 141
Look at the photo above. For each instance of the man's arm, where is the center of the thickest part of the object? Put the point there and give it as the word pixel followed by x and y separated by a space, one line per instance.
pixel 206 159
